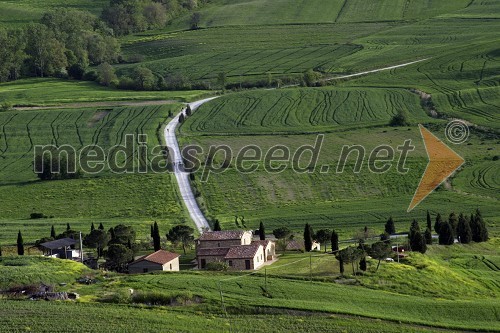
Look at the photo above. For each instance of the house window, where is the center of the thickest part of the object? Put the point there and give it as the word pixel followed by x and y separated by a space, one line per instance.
pixel 218 244
pixel 230 263
pixel 170 266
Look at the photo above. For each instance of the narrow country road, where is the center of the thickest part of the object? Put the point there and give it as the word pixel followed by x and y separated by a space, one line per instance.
pixel 182 176
pixel 376 70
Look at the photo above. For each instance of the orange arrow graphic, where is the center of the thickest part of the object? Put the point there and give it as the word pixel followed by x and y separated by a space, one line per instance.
pixel 442 163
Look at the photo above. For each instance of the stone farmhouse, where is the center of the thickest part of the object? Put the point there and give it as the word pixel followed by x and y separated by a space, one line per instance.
pixel 158 261
pixel 235 247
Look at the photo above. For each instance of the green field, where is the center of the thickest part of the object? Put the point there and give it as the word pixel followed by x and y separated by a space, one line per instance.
pixel 106 196
pixel 416 295
pixel 40 92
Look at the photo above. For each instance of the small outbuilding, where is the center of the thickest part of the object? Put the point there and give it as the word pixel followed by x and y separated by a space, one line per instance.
pixel 158 261
pixel 61 248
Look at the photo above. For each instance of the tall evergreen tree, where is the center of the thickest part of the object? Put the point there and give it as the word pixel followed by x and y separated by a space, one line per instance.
pixel 101 226
pixel 428 236
pixel 92 227
pixel 156 237
pixel 453 221
pixel 53 232
pixel 415 238
pixel 334 241
pixel 438 224
pixel 362 264
pixel 446 234
pixel 262 231
pixel 390 228
pixel 429 221
pixel 217 226
pixel 20 244
pixel 151 231
pixel 484 228
pixel 464 231
pixel 307 238
pixel 68 227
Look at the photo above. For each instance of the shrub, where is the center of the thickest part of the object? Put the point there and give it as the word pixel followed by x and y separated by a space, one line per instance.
pixel 90 76
pixel 400 119
pixel 218 266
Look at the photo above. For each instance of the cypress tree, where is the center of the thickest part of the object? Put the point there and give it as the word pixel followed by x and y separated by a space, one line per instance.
pixel 53 232
pixel 151 231
pixel 484 236
pixel 341 265
pixel 428 236
pixel 429 221
pixel 453 220
pixel 362 264
pixel 217 226
pixel 156 237
pixel 101 226
pixel 188 110
pixel 415 238
pixel 446 234
pixel 68 227
pixel 464 230
pixel 307 238
pixel 181 118
pixel 20 244
pixel 0 251
pixel 390 228
pixel 92 227
pixel 438 224
pixel 334 241
pixel 262 231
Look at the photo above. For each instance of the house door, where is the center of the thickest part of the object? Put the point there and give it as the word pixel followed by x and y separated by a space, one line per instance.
pixel 203 263
pixel 247 264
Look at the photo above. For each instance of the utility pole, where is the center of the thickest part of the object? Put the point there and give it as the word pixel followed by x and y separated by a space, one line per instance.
pixel 265 279
pixel 81 248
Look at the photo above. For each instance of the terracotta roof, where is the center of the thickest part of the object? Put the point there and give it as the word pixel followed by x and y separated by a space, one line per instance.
pixel 221 235
pixel 159 257
pixel 243 251
pixel 218 251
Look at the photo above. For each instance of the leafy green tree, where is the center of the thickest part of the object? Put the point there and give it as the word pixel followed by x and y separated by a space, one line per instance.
pixel 222 80
pixel 334 240
pixel 380 251
pixel 323 235
pixel 195 20
pixel 307 238
pixel 155 15
pixel 97 239
pixel 349 255
pixel 390 228
pixel 310 78
pixel 400 119
pixel 45 53
pixel 438 223
pixel 283 234
pixel 106 74
pixel 446 234
pixel 20 244
pixel 156 237
pixel 144 78
pixel 118 256
pixel 12 54
pixel 262 231
pixel 428 236
pixel 464 231
pixel 217 226
pixel 181 234
pixel 122 234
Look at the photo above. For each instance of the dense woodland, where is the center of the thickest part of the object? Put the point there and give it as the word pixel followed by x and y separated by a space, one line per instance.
pixel 70 43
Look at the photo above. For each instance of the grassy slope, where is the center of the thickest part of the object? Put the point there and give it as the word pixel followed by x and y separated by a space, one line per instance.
pixel 106 196
pixel 34 92
pixel 420 291
pixel 15 13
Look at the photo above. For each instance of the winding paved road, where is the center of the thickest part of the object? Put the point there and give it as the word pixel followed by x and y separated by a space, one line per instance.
pixel 182 176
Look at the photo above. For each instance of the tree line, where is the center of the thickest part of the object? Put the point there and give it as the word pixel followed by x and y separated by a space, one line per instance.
pixel 118 244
